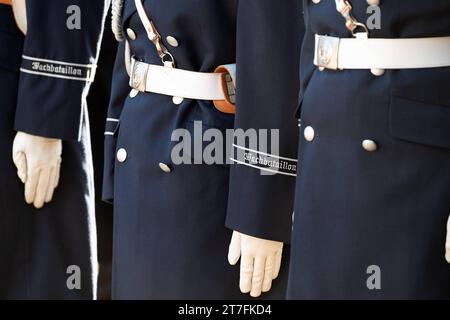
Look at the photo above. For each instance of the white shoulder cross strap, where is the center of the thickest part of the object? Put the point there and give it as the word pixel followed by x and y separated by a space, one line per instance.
pixel 154 36
pixel 20 14
pixel 218 86
pixel 351 23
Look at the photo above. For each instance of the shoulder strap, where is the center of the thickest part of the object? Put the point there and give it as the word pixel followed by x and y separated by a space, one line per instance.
pixel 20 14
pixel 154 36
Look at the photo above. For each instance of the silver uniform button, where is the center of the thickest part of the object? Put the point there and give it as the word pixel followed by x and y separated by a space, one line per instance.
pixel 377 72
pixel 177 100
pixel 370 145
pixel 309 133
pixel 134 93
pixel 172 41
pixel 121 155
pixel 164 167
pixel 131 34
pixel 316 1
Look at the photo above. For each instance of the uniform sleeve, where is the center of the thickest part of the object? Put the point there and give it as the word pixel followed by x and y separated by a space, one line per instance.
pixel 58 64
pixel 262 178
pixel 119 92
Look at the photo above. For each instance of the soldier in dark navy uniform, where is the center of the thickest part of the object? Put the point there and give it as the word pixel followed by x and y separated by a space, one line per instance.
pixel 173 222
pixel 373 192
pixel 46 103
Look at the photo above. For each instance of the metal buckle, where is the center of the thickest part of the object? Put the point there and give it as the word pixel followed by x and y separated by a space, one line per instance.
pixel 138 78
pixel 231 89
pixel 327 52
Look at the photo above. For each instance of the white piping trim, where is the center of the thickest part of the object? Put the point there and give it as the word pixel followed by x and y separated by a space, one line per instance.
pixel 263 153
pixel 264 169
pixel 59 62
pixel 109 133
pixel 55 75
pixel 112 119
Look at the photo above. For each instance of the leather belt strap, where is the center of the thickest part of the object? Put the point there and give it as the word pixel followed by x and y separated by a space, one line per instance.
pixel 218 87
pixel 8 2
pixel 409 53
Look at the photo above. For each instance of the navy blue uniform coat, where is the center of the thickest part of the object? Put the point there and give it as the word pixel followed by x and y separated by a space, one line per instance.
pixel 170 235
pixel 37 246
pixel 388 208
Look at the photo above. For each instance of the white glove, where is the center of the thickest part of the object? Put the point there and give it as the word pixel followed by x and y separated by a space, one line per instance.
pixel 38 162
pixel 447 243
pixel 260 262
pixel 20 14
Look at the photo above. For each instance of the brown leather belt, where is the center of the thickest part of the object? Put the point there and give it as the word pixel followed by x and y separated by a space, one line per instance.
pixel 8 2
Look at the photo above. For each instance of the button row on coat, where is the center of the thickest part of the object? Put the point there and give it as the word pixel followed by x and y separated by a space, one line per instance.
pixel 172 41
pixel 368 145
pixel 122 157
pixel 122 153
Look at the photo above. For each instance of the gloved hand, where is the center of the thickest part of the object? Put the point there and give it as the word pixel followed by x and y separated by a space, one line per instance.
pixel 260 262
pixel 447 244
pixel 38 162
pixel 20 14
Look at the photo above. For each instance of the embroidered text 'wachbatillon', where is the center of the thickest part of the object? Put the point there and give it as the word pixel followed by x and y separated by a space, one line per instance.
pixel 264 161
pixel 58 69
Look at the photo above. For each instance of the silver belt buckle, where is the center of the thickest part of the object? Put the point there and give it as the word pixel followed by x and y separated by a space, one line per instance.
pixel 138 79
pixel 327 52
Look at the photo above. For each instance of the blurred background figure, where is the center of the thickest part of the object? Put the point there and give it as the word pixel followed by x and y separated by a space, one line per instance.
pixel 48 246
pixel 98 105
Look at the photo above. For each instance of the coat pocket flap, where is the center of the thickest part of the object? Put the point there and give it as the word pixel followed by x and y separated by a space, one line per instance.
pixel 419 122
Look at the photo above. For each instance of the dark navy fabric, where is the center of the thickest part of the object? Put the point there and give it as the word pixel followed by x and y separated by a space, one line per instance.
pixel 37 246
pixel 170 239
pixel 386 208
pixel 11 212
pixel 268 47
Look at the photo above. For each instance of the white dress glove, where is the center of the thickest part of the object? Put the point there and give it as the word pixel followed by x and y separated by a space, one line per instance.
pixel 38 162
pixel 260 262
pixel 447 243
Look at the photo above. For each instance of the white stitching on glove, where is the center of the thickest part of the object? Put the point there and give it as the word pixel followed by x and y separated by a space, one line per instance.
pixel 260 262
pixel 38 162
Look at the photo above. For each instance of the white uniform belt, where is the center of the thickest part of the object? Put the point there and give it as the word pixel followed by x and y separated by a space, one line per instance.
pixel 177 82
pixel 408 53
